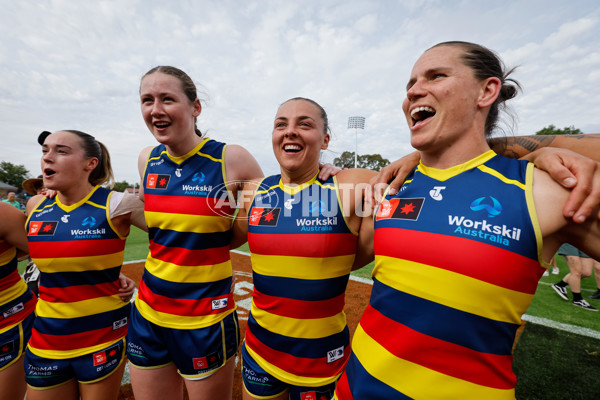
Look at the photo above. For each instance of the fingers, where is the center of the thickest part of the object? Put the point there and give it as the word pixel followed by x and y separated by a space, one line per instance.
pixel 328 170
pixel 585 197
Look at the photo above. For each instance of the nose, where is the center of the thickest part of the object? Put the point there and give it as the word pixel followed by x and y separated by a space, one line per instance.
pixel 290 130
pixel 416 90
pixel 157 108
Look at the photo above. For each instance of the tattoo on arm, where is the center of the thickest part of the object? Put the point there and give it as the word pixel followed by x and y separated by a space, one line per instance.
pixel 518 146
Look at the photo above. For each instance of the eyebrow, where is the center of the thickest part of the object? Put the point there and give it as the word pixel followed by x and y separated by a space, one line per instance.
pixel 429 72
pixel 57 146
pixel 300 118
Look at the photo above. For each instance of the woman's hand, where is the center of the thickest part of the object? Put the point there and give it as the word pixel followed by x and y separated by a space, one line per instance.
pixel 396 172
pixel 328 170
pixel 126 288
pixel 573 171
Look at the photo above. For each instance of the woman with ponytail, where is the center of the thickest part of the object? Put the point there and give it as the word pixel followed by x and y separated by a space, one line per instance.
pixel 77 240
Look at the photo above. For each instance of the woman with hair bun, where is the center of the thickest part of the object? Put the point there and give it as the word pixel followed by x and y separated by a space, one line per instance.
pixel 77 239
pixel 460 248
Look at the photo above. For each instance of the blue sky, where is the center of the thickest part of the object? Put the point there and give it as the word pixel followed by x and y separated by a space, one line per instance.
pixel 77 65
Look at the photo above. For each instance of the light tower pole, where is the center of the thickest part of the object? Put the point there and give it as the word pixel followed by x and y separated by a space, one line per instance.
pixel 356 123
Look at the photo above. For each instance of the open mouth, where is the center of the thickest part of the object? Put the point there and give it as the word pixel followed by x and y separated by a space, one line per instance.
pixel 420 114
pixel 162 125
pixel 49 172
pixel 292 148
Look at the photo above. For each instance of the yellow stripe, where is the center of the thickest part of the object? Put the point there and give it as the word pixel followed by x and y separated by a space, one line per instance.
pixel 535 223
pixel 288 378
pixel 445 174
pixel 62 354
pixel 299 328
pixel 81 308
pixel 81 264
pixel 450 289
pixel 503 178
pixel 302 267
pixel 178 321
pixel 188 223
pixel 190 274
pixel 414 380
pixel 70 208
pixel 8 255
pixel 13 292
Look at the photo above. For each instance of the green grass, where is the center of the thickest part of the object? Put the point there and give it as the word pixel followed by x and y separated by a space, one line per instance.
pixel 137 245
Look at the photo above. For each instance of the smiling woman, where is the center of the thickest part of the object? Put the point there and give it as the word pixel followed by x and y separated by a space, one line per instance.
pixel 441 324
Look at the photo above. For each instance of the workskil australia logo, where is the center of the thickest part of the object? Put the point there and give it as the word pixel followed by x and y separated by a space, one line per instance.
pixel 481 228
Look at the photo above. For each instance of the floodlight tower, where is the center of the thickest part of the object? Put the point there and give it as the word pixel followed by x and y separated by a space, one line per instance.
pixel 356 123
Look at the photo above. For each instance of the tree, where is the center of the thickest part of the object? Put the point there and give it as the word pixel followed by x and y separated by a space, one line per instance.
pixel 552 130
pixel 369 161
pixel 121 186
pixel 13 174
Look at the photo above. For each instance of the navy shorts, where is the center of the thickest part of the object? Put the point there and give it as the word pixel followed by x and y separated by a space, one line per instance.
pixel 46 373
pixel 261 384
pixel 14 340
pixel 197 353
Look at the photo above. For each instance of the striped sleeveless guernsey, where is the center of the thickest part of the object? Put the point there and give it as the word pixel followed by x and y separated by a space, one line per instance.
pixel 457 262
pixel 302 253
pixel 16 300
pixel 79 254
pixel 188 273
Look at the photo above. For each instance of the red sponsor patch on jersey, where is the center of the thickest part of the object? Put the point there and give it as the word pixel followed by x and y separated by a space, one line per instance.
pixel 37 228
pixel 264 216
pixel 157 181
pixel 400 209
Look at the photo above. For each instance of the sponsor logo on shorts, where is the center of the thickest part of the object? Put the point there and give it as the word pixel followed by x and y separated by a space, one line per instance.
pixel 219 304
pixel 208 362
pixel 335 354
pixel 13 310
pixel 315 395
pixel 7 348
pixel 99 358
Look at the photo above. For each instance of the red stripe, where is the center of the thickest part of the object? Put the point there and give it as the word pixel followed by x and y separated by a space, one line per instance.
pixel 464 256
pixel 298 309
pixel 342 388
pixel 76 340
pixel 75 248
pixel 9 281
pixel 185 256
pixel 303 244
pixel 488 370
pixel 20 316
pixel 183 307
pixel 307 367
pixel 79 292
pixel 192 205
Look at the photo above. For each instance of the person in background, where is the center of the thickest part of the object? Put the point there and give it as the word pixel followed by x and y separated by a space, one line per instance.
pixel 580 266
pixel 11 199
pixel 17 304
pixel 438 325
pixel 77 240
pixel 596 294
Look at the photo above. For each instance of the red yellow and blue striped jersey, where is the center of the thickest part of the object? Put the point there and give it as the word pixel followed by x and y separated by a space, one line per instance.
pixel 188 273
pixel 457 262
pixel 302 253
pixel 79 254
pixel 16 300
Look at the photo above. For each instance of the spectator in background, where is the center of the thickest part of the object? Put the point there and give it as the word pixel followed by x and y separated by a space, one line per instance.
pixel 596 294
pixel 580 266
pixel 12 200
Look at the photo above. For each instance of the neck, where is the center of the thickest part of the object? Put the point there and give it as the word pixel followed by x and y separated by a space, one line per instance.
pixel 298 177
pixel 74 195
pixel 181 148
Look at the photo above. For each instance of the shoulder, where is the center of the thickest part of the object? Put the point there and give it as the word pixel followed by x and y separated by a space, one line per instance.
pixel 549 198
pixel 33 202
pixel 240 164
pixel 355 175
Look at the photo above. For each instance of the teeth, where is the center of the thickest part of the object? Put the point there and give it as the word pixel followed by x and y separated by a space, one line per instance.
pixel 422 108
pixel 161 124
pixel 292 147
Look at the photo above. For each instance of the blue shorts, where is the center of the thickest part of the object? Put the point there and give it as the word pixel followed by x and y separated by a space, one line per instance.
pixel 567 249
pixel 46 373
pixel 197 353
pixel 260 383
pixel 14 340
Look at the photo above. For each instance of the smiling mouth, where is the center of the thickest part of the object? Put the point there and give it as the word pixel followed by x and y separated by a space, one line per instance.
pixel 420 114
pixel 162 125
pixel 292 148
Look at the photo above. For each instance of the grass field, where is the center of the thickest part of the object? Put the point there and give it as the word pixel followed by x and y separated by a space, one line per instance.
pixel 549 363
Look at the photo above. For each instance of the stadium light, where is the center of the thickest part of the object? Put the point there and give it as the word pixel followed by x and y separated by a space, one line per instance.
pixel 356 123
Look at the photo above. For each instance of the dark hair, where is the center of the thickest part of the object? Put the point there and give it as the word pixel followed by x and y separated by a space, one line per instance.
pixel 486 64
pixel 321 110
pixel 102 174
pixel 187 85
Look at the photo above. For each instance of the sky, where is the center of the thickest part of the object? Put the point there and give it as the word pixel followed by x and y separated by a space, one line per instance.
pixel 77 64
